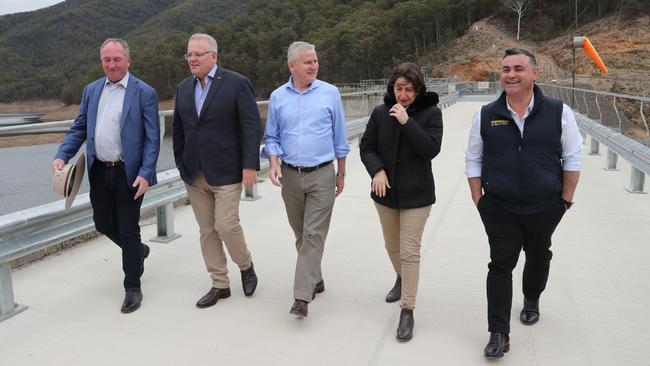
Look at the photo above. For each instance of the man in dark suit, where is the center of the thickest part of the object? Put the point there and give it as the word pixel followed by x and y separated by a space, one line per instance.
pixel 216 146
pixel 118 120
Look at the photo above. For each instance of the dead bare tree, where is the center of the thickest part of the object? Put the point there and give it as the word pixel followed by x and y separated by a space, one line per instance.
pixel 518 6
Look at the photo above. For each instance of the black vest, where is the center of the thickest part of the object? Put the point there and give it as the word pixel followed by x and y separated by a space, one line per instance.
pixel 523 175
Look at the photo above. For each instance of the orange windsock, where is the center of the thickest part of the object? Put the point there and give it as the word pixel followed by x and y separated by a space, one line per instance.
pixel 593 55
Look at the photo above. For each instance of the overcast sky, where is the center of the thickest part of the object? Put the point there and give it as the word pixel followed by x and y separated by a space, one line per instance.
pixel 15 6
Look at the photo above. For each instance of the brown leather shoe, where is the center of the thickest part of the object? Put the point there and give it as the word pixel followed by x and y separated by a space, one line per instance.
pixel 319 289
pixel 212 297
pixel 249 280
pixel 132 301
pixel 299 308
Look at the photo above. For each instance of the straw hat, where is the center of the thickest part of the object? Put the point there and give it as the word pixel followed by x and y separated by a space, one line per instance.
pixel 67 181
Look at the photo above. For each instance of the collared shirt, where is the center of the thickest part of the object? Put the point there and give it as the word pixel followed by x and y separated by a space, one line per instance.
pixel 571 140
pixel 108 142
pixel 200 92
pixel 305 128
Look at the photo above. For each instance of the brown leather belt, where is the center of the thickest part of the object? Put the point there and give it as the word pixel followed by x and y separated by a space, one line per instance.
pixel 307 169
pixel 111 164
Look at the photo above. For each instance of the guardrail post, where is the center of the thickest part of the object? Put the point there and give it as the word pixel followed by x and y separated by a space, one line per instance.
pixel 165 224
pixel 251 194
pixel 637 180
pixel 595 145
pixel 8 307
pixel 612 159
pixel 161 122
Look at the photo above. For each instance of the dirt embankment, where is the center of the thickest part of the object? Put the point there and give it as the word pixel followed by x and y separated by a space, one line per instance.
pixel 623 44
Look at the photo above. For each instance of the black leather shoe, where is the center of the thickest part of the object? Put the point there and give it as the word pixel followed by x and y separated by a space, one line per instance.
pixel 406 323
pixel 212 297
pixel 249 280
pixel 299 308
pixel 498 345
pixel 132 301
pixel 396 292
pixel 319 289
pixel 530 313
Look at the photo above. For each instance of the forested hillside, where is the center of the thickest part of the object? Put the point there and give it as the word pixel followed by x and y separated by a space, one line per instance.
pixel 53 52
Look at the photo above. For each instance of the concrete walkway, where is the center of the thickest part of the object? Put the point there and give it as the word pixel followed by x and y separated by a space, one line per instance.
pixel 594 312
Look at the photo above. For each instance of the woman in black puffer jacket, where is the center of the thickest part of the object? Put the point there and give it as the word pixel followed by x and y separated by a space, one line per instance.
pixel 403 135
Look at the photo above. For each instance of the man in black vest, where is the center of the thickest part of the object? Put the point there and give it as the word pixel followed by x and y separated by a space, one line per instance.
pixel 523 163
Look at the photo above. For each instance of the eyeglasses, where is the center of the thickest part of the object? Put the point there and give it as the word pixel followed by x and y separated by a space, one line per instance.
pixel 189 55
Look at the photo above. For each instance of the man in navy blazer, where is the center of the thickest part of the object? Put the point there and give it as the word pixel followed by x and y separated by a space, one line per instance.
pixel 216 148
pixel 118 120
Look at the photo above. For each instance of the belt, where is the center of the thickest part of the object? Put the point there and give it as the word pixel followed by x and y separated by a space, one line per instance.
pixel 306 169
pixel 111 164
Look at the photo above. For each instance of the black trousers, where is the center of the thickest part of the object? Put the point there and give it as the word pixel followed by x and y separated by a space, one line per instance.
pixel 116 215
pixel 508 233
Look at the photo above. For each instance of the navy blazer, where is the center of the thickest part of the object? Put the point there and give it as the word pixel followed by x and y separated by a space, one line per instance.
pixel 225 138
pixel 139 129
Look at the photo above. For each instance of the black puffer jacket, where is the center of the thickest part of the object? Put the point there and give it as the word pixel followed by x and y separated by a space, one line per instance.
pixel 404 152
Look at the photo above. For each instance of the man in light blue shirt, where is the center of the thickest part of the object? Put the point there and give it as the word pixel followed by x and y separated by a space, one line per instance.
pixel 305 128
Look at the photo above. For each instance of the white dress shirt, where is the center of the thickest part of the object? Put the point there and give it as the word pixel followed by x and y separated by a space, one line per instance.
pixel 571 140
pixel 108 142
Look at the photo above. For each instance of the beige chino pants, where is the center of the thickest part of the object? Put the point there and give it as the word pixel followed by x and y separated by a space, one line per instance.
pixel 216 209
pixel 402 229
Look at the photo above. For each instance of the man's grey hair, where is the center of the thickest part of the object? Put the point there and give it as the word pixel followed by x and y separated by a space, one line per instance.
pixel 521 51
pixel 296 48
pixel 212 43
pixel 122 42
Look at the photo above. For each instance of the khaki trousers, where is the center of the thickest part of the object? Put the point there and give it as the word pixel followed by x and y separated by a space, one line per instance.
pixel 402 229
pixel 216 209
pixel 309 200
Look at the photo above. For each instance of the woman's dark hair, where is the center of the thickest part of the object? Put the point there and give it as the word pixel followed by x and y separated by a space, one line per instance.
pixel 410 72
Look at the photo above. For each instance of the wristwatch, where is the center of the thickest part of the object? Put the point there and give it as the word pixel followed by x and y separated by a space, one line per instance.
pixel 567 204
pixel 340 174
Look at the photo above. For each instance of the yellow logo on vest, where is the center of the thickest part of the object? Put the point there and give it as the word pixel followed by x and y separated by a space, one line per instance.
pixel 499 122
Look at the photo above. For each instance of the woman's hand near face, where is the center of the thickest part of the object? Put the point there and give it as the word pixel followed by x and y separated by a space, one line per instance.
pixel 380 183
pixel 399 112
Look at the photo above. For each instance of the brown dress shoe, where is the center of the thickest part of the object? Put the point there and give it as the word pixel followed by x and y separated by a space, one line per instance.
pixel 132 301
pixel 319 289
pixel 299 308
pixel 212 297
pixel 249 280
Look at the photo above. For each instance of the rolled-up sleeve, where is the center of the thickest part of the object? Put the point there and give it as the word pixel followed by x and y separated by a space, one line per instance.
pixel 341 146
pixel 272 145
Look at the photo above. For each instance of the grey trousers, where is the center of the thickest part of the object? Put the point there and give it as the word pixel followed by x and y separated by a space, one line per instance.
pixel 309 200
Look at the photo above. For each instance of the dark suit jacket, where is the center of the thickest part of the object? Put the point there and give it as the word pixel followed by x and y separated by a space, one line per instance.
pixel 225 138
pixel 139 126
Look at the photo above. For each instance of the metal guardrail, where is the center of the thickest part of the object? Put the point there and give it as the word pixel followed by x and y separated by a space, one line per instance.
pixel 31 230
pixel 599 115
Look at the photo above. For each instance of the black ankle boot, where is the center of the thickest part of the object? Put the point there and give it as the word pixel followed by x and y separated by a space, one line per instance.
pixel 396 292
pixel 406 324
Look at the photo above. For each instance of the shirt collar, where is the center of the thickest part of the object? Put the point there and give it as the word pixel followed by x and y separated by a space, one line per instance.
pixel 124 82
pixel 210 74
pixel 528 109
pixel 315 84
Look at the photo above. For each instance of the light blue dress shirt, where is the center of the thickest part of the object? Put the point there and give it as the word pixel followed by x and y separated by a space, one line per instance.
pixel 305 129
pixel 201 92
